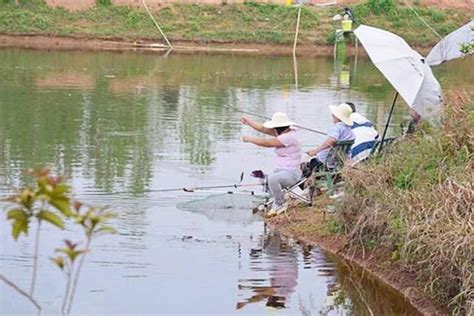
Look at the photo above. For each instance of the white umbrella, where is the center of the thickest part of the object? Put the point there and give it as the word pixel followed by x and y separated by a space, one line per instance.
pixel 404 68
pixel 450 46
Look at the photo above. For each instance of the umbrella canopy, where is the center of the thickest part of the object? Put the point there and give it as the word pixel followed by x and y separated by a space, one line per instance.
pixel 403 67
pixel 450 46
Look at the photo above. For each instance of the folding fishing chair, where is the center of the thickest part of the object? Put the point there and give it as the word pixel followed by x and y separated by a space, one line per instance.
pixel 328 178
pixel 289 191
pixel 378 145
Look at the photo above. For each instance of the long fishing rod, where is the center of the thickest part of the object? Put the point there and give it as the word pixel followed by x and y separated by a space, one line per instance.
pixel 190 189
pixel 268 118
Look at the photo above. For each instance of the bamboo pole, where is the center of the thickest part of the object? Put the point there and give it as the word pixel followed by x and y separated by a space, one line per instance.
pixel 157 25
pixel 297 29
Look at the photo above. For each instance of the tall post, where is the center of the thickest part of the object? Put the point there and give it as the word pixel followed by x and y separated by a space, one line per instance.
pixel 157 25
pixel 388 122
pixel 297 29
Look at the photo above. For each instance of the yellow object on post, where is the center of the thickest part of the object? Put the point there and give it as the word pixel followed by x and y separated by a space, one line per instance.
pixel 347 25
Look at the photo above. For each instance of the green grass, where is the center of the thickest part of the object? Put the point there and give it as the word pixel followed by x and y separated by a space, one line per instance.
pixel 247 23
pixel 416 202
pixel 334 227
pixel 403 21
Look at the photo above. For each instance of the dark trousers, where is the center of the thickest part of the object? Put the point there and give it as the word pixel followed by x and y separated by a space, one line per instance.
pixel 313 164
pixel 308 167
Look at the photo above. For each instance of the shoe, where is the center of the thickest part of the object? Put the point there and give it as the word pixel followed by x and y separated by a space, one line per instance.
pixel 282 209
pixel 271 213
pixel 277 209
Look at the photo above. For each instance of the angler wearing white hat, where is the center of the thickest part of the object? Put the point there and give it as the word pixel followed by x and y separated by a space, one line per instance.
pixel 340 131
pixel 288 155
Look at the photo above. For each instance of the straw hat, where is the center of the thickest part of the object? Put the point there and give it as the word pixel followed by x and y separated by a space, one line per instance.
pixel 279 119
pixel 343 112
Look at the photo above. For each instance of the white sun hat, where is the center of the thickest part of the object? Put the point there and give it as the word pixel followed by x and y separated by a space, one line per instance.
pixel 343 112
pixel 279 119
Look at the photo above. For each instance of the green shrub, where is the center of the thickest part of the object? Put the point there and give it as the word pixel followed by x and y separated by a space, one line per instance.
pixel 381 6
pixel 334 227
pixel 447 28
pixel 331 37
pixel 438 16
pixel 103 2
pixel 133 19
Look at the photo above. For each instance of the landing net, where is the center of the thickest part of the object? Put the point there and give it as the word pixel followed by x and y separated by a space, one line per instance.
pixel 232 208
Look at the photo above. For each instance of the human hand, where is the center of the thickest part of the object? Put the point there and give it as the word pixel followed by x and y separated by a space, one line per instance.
pixel 245 120
pixel 312 152
pixel 246 139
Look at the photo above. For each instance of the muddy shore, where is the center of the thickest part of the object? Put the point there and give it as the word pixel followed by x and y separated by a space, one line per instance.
pixel 297 226
pixel 78 43
pixel 35 41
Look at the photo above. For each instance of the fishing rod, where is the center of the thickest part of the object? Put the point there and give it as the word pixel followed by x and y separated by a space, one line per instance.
pixel 268 118
pixel 190 189
pixel 231 192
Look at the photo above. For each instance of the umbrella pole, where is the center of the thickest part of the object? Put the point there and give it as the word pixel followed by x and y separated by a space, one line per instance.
pixel 388 121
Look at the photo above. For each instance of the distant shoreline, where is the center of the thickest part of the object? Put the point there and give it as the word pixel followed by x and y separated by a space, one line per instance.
pixel 247 28
pixel 46 42
pixel 77 43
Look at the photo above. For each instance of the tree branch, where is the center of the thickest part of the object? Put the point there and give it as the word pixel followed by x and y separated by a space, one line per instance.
pixel 16 288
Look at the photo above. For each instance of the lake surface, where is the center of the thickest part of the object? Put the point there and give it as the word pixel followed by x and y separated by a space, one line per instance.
pixel 122 125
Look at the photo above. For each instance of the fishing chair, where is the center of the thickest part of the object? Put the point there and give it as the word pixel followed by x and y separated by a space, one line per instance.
pixel 378 144
pixel 328 178
pixel 325 179
pixel 288 191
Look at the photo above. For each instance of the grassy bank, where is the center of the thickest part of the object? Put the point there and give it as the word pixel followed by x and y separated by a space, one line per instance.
pixel 244 23
pixel 416 202
pixel 411 211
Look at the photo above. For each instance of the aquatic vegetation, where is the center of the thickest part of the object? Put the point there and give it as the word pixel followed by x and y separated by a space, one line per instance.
pixel 48 200
pixel 416 201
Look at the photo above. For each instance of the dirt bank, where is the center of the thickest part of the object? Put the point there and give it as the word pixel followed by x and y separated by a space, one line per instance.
pixel 309 225
pixel 34 41
pixel 84 4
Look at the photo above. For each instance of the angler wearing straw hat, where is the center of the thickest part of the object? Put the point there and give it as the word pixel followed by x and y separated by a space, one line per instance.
pixel 288 155
pixel 340 131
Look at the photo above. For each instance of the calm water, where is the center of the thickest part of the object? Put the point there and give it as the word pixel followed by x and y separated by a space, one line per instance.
pixel 118 125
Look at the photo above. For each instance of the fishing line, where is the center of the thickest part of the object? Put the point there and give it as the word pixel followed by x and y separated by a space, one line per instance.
pixel 268 118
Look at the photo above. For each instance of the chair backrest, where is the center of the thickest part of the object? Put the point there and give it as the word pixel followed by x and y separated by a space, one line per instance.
pixel 338 155
pixel 387 141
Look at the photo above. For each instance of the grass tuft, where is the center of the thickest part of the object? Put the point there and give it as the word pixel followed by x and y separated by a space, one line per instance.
pixel 417 201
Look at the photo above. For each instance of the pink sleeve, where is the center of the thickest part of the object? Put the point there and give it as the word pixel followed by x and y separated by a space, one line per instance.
pixel 287 139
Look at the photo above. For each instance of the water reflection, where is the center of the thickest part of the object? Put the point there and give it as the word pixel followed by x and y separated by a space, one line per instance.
pixel 280 268
pixel 114 115
pixel 132 122
pixel 283 273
